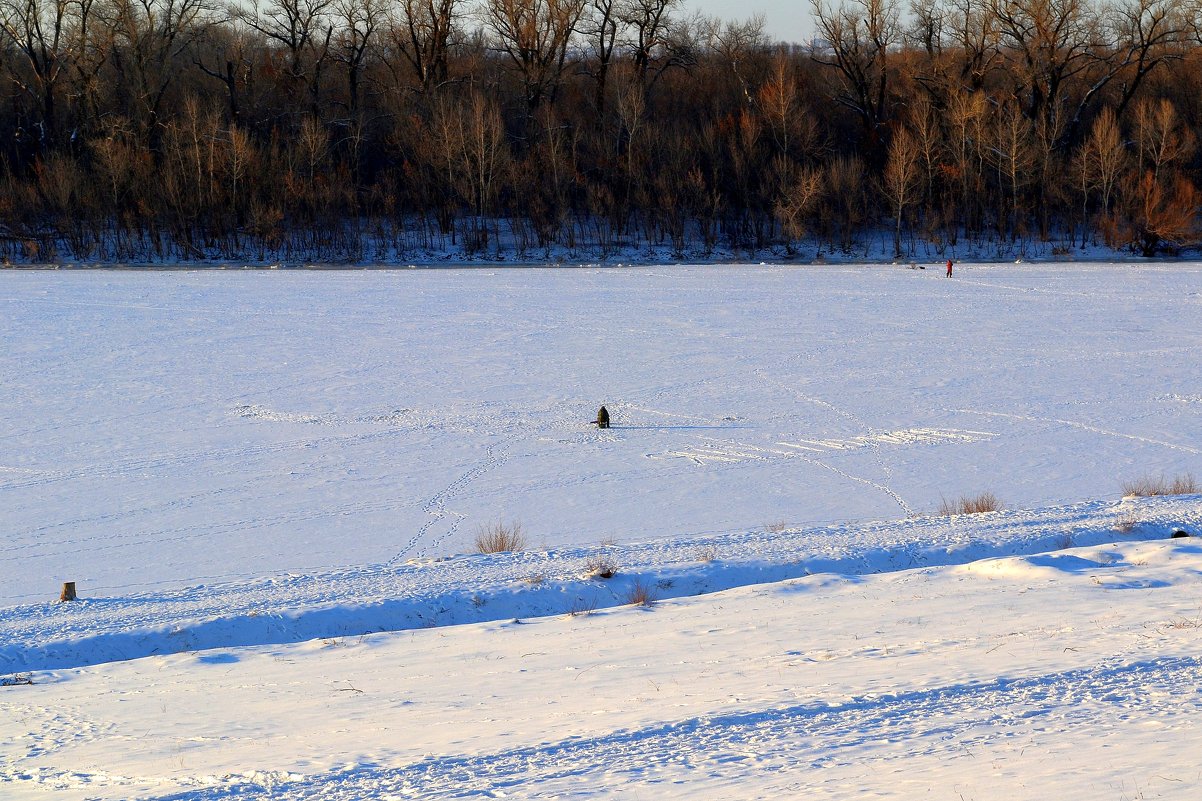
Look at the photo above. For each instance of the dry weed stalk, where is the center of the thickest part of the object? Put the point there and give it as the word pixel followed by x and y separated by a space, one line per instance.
pixel 641 593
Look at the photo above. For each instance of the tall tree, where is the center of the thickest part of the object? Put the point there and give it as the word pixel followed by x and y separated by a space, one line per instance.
pixel 535 34
pixel 859 37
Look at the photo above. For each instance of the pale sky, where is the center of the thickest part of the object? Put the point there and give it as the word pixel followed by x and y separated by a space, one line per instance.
pixel 787 20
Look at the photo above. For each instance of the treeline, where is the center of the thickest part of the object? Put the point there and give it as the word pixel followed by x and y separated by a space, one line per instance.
pixel 370 129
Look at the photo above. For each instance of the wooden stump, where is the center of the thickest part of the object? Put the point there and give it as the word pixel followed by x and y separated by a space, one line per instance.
pixel 68 592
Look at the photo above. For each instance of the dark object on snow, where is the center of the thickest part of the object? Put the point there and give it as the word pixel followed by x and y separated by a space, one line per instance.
pixel 16 680
pixel 68 593
pixel 1179 533
pixel 603 418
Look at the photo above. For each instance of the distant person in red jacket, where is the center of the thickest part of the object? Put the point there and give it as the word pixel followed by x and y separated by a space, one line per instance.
pixel 949 268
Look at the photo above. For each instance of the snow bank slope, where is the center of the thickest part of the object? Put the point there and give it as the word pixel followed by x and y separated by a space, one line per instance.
pixel 475 588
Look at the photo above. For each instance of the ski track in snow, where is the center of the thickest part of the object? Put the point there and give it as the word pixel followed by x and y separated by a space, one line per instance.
pixel 1083 427
pixel 939 722
pixel 872 440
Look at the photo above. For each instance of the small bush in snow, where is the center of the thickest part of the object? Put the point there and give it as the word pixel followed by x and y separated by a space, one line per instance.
pixel 985 502
pixel 1149 486
pixel 498 538
pixel 776 527
pixel 641 593
pixel 601 567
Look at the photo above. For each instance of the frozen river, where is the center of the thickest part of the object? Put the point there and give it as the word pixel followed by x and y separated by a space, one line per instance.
pixel 165 428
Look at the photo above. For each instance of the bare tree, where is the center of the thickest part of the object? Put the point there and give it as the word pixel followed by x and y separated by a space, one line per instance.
pixel 966 145
pixel 1160 139
pixel 649 24
pixel 928 138
pixel 153 38
pixel 40 32
pixel 1160 212
pixel 900 180
pixel 960 43
pixel 600 27
pixel 1053 46
pixel 303 29
pixel 534 34
pixel 420 32
pixel 1011 154
pixel 1103 162
pixel 844 183
pixel 222 55
pixel 795 199
pixel 859 36
pixel 778 102
pixel 356 23
pixel 736 44
pixel 239 156
pixel 485 155
pixel 1151 33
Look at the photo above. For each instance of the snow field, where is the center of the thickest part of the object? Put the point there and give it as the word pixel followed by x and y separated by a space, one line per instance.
pixel 265 485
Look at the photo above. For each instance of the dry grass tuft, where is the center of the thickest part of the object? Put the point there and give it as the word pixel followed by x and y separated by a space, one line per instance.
pixel 1150 486
pixel 1126 521
pixel 499 538
pixel 582 607
pixel 775 527
pixel 985 502
pixel 641 593
pixel 707 554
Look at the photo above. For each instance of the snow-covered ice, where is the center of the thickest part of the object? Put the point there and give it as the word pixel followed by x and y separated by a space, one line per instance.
pixel 172 427
pixel 266 484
